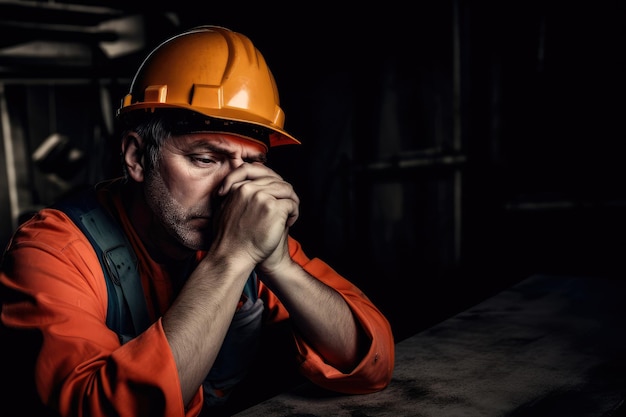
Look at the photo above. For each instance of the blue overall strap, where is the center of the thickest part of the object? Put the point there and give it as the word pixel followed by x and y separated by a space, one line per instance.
pixel 118 261
pixel 251 289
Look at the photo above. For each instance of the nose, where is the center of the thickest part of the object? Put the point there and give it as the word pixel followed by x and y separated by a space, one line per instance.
pixel 236 163
pixel 231 165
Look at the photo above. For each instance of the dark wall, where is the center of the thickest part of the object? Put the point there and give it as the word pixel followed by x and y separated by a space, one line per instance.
pixel 449 148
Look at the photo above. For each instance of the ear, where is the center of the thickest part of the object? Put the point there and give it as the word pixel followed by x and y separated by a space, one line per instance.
pixel 133 154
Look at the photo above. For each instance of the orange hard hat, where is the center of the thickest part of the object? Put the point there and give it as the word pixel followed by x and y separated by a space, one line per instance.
pixel 218 75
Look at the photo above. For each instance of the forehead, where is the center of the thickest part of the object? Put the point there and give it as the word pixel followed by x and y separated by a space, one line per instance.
pixel 227 142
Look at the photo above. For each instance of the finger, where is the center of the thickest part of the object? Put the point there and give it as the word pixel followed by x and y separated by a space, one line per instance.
pixel 268 186
pixel 290 208
pixel 246 171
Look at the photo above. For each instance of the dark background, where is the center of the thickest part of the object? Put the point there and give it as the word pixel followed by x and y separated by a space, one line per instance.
pixel 450 148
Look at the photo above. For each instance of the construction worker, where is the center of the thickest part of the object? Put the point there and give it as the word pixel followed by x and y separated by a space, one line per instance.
pixel 154 294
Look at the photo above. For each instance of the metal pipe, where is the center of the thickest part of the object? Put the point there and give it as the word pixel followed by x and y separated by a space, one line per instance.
pixel 9 157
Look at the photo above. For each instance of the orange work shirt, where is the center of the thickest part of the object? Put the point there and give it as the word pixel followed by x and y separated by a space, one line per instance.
pixel 55 287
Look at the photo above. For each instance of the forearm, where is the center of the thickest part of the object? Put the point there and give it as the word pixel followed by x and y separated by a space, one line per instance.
pixel 319 313
pixel 198 320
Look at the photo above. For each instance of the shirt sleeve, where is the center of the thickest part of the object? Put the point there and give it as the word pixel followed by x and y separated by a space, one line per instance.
pixel 59 291
pixel 375 369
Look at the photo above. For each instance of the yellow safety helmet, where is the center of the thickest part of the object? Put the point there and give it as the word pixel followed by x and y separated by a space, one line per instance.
pixel 220 76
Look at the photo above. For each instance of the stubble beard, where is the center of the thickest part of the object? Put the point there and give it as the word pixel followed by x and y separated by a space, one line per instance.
pixel 171 215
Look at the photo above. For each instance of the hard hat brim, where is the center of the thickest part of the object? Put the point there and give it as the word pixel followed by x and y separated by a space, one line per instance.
pixel 229 121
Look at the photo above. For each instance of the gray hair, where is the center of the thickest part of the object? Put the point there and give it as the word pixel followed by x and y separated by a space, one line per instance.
pixel 154 131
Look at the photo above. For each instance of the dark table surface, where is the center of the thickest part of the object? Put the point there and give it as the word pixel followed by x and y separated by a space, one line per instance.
pixel 548 346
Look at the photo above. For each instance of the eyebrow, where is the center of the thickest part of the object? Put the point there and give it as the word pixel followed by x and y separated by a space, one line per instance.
pixel 200 144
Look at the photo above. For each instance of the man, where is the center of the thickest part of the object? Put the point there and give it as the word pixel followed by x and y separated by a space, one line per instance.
pixel 207 220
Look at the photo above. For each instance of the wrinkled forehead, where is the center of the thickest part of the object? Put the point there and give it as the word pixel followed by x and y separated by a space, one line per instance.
pixel 224 142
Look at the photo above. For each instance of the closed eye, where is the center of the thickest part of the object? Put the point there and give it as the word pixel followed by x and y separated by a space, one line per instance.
pixel 201 159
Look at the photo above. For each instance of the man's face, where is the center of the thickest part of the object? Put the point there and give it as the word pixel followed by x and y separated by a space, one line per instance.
pixel 181 190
